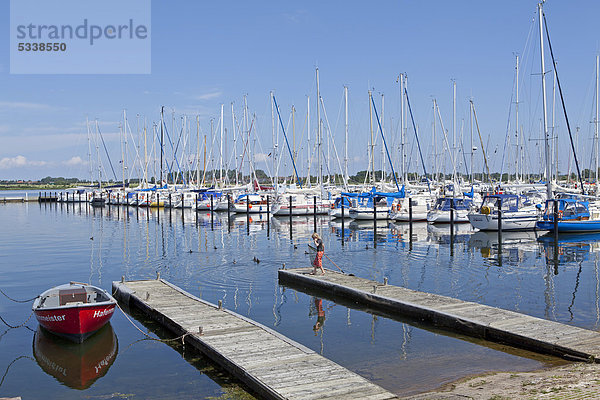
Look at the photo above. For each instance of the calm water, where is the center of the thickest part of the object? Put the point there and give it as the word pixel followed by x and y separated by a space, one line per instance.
pixel 46 245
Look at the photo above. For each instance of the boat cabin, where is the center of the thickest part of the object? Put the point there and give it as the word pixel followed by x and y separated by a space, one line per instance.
pixel 569 209
pixel 510 203
pixel 443 203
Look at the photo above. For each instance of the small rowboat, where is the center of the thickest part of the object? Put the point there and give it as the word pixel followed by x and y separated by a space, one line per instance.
pixel 74 310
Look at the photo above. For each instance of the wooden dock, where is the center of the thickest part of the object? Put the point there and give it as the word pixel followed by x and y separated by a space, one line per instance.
pixel 270 364
pixel 473 319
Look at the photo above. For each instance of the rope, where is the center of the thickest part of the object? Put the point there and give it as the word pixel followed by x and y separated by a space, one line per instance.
pixel 18 301
pixel 17 326
pixel 9 365
pixel 182 337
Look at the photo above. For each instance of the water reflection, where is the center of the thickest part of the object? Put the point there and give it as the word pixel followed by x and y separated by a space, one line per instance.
pixel 76 365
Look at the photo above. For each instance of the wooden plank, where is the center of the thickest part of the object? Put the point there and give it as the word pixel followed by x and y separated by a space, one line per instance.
pixel 479 320
pixel 272 365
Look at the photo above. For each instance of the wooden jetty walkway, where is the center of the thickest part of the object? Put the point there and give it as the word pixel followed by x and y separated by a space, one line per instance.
pixel 473 319
pixel 270 364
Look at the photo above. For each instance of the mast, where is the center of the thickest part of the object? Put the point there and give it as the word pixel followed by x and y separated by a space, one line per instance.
pixel 87 124
pixel 471 128
pixel 319 139
pixel 198 151
pixel 273 134
pixel 372 154
pixel 221 149
pixel 145 155
pixel 517 124
pixel 545 105
pixel 453 117
pixel 124 132
pixel 234 142
pixel 308 148
pixel 402 130
pixel 293 134
pixel 382 148
pixel 596 121
pixel 162 137
pixel 346 134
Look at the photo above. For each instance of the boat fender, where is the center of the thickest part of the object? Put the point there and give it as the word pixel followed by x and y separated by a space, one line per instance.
pixel 485 210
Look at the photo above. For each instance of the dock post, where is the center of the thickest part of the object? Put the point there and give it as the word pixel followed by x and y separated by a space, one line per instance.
pixel 247 215
pixel 314 213
pixel 268 217
pixel 291 217
pixel 555 202
pixel 374 222
pixel 196 207
pixel 343 221
pixel 228 209
pixel 410 211
pixel 212 213
pixel 170 204
pixel 451 226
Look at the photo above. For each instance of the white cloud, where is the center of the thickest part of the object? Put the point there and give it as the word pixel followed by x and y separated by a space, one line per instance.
pixel 73 161
pixel 209 96
pixel 19 162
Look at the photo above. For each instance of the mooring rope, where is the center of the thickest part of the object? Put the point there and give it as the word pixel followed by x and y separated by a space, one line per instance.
pixel 17 301
pixel 9 365
pixel 17 326
pixel 182 337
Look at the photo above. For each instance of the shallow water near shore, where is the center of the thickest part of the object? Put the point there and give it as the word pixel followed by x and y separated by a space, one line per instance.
pixel 43 245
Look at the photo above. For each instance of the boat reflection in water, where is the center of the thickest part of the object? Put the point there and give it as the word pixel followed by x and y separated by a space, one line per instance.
pixel 487 242
pixel 574 247
pixel 76 365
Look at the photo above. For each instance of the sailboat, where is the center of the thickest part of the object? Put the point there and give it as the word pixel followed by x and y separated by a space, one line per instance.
pixel 565 213
pixel 515 216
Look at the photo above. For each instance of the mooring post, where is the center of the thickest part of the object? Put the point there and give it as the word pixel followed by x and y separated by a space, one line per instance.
pixel 452 216
pixel 410 211
pixel 228 209
pixel 555 202
pixel 374 220
pixel 314 213
pixel 196 207
pixel 291 217
pixel 499 217
pixel 343 221
pixel 170 204
pixel 212 216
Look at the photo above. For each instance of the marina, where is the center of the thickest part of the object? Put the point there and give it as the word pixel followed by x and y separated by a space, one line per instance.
pixel 227 263
pixel 265 206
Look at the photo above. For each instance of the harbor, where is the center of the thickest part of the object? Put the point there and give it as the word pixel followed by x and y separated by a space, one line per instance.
pixel 221 258
pixel 300 201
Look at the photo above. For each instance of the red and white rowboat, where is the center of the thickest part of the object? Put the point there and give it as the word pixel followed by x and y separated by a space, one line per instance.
pixel 74 310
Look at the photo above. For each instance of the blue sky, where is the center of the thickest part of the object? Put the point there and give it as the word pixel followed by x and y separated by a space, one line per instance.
pixel 205 54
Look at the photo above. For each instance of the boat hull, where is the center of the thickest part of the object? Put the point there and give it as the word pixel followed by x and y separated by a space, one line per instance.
pixel 443 217
pixel 571 226
pixel 75 323
pixel 488 222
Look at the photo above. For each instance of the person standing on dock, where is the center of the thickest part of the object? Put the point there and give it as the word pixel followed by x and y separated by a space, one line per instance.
pixel 318 262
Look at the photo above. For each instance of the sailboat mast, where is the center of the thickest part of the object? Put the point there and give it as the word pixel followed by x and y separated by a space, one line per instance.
pixel 402 130
pixel 221 149
pixel 273 134
pixel 517 122
pixel 346 134
pixel 198 151
pixel 308 148
pixel 124 132
pixel 545 105
pixel 233 131
pixel 372 154
pixel 596 120
pixel 382 147
pixel 319 140
pixel 162 138
pixel 471 128
pixel 293 136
